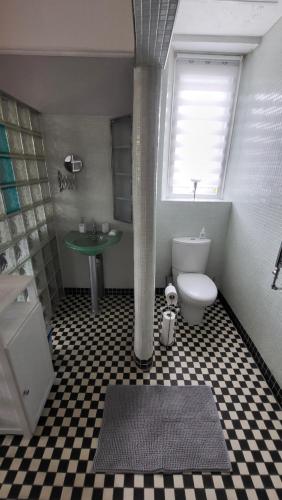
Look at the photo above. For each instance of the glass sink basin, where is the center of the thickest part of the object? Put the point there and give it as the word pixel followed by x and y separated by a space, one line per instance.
pixel 90 244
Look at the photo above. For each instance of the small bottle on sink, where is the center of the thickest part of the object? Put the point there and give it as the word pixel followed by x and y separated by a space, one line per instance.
pixel 82 226
pixel 105 227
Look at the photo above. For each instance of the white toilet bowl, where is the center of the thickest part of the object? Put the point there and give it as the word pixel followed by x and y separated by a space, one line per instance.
pixel 196 292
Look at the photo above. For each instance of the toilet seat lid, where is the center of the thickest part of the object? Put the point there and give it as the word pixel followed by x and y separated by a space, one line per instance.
pixel 197 288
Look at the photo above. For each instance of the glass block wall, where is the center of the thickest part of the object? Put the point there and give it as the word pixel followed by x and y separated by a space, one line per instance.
pixel 27 234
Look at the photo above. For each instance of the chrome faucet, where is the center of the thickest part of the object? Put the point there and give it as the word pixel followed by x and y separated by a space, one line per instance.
pixel 276 271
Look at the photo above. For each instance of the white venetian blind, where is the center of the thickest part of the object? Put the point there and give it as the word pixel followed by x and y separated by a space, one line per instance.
pixel 202 108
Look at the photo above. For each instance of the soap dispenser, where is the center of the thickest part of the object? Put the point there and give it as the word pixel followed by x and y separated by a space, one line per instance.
pixel 203 233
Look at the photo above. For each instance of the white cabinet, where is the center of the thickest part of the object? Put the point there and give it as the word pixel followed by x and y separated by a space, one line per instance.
pixel 26 370
pixel 9 415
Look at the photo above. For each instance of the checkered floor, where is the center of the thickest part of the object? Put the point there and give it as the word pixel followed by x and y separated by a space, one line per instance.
pixel 88 355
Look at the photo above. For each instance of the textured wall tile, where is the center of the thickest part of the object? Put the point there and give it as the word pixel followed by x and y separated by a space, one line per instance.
pixel 254 185
pixel 145 147
pixel 90 138
pixel 153 21
pixel 176 218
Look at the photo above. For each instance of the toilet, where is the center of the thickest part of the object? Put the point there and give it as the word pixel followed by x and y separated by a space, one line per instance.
pixel 196 290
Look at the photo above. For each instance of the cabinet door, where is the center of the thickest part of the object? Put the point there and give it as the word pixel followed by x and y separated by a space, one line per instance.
pixel 9 418
pixel 31 363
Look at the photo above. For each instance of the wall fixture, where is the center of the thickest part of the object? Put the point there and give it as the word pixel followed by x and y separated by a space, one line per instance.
pixel 66 182
pixel 278 266
pixel 3 262
pixel 73 164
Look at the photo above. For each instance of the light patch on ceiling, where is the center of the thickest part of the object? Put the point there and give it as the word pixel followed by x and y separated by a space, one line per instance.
pixel 215 44
pixel 226 17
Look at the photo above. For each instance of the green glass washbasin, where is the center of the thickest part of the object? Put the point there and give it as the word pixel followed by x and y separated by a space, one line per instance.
pixel 90 244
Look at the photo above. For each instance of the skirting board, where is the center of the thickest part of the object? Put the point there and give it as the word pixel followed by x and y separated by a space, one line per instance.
pixel 108 291
pixel 272 382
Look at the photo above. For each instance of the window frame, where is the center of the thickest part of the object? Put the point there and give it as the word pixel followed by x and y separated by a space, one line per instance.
pixel 167 194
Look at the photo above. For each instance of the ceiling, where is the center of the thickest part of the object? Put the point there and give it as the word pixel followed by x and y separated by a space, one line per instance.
pixel 71 56
pixel 68 56
pixel 225 17
pixel 105 27
pixel 66 27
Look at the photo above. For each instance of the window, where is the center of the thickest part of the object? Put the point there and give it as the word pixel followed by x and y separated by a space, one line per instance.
pixel 202 109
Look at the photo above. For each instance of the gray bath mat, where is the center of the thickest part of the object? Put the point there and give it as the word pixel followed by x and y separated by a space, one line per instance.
pixel 160 429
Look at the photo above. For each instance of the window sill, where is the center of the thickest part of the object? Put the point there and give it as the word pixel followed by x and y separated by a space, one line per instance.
pixel 185 200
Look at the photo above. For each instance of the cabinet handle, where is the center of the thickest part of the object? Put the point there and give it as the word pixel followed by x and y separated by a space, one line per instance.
pixel 26 392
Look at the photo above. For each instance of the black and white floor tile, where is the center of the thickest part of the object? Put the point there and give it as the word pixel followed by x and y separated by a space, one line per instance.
pixel 91 353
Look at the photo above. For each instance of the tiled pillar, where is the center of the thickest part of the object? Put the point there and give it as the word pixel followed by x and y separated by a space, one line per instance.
pixel 145 147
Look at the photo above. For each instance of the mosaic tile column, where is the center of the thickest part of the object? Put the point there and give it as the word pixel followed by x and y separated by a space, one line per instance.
pixel 145 148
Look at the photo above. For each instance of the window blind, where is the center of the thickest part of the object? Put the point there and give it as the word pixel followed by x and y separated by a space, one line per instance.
pixel 202 109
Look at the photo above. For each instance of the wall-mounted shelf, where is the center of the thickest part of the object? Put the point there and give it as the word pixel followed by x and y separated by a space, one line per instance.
pixel 121 129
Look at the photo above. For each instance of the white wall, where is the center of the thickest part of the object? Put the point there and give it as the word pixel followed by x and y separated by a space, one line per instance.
pixel 184 218
pixel 90 138
pixel 254 185
pixel 175 218
pixel 76 85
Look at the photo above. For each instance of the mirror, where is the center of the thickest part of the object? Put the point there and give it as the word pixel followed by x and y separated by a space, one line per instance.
pixel 73 164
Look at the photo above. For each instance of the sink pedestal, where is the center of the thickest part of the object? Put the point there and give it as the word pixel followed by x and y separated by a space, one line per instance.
pixel 96 281
pixel 93 245
pixel 93 284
